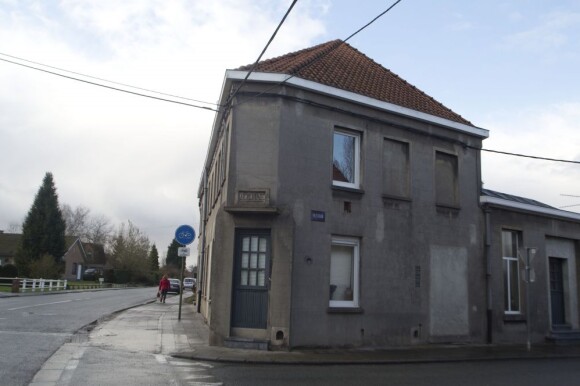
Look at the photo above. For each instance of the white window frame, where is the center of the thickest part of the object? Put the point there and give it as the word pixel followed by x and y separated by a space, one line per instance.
pixel 356 136
pixel 507 274
pixel 355 243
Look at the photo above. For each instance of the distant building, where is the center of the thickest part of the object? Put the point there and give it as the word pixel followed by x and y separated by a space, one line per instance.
pixel 9 244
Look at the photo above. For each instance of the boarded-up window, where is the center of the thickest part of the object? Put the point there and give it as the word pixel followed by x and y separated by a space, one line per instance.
pixel 446 185
pixel 395 168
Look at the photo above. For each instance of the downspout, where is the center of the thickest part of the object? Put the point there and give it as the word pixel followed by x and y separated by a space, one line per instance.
pixel 203 223
pixel 489 314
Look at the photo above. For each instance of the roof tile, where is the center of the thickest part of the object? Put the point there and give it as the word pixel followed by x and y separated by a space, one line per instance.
pixel 337 64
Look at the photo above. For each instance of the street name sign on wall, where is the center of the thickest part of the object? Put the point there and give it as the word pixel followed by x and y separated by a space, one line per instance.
pixel 184 234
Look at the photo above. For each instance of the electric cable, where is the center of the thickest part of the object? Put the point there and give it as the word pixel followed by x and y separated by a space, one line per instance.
pixel 290 76
pixel 232 96
pixel 109 87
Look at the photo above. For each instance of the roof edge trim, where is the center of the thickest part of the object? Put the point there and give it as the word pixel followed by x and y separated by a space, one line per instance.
pixel 529 208
pixel 267 77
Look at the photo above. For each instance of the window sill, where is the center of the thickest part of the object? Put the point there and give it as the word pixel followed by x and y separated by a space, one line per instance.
pixel 348 190
pixel 514 318
pixel 396 198
pixel 345 310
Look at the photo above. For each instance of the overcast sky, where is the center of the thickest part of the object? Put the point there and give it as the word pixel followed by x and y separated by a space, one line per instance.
pixel 510 67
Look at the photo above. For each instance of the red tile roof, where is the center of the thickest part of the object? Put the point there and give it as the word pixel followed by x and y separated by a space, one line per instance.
pixel 339 65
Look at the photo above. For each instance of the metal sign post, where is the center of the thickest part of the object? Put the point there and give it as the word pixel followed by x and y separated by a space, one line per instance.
pixel 184 235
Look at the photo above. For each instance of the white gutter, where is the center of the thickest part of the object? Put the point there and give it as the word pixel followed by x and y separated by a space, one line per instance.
pixel 357 98
pixel 529 208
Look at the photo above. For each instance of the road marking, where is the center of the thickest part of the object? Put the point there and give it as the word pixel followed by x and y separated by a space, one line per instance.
pixel 38 305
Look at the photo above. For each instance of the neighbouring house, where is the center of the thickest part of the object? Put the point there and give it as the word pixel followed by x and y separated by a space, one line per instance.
pixel 340 206
pixel 516 228
pixel 80 256
pixel 9 244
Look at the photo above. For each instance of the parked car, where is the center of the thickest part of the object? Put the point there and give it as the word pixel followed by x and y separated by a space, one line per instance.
pixel 188 283
pixel 174 286
pixel 91 274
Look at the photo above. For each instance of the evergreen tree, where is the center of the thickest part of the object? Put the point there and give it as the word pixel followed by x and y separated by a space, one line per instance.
pixel 43 228
pixel 172 254
pixel 154 259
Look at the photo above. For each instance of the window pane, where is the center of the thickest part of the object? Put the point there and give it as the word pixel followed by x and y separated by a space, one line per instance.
pixel 252 280
pixel 514 286
pixel 254 246
pixel 261 278
pixel 341 272
pixel 245 259
pixel 343 169
pixel 506 286
pixel 263 245
pixel 246 244
pixel 262 261
pixel 254 260
pixel 244 278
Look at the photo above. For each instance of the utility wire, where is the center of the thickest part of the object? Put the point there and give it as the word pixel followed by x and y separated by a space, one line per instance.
pixel 106 80
pixel 109 87
pixel 525 156
pixel 231 97
pixel 320 57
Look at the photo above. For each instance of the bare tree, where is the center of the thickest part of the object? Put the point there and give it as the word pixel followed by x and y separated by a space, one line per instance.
pixel 76 220
pixel 90 229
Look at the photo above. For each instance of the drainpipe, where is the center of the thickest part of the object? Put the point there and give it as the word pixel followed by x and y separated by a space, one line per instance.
pixel 489 314
pixel 201 260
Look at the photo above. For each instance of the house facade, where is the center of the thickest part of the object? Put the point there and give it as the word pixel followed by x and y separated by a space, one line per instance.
pixel 518 229
pixel 9 243
pixel 80 256
pixel 340 207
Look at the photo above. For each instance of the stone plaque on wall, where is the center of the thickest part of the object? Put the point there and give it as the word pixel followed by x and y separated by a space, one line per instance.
pixel 253 198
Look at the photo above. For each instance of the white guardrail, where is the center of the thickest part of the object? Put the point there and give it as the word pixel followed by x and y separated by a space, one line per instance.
pixel 42 285
pixel 34 285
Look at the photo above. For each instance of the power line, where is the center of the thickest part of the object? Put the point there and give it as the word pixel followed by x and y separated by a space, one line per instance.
pixel 321 56
pixel 526 156
pixel 232 96
pixel 106 80
pixel 109 87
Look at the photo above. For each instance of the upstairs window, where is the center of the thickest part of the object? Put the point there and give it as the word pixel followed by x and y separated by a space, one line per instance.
pixel 446 181
pixel 395 168
pixel 346 159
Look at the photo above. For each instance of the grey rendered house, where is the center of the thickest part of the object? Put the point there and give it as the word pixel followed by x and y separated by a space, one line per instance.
pixel 515 228
pixel 340 207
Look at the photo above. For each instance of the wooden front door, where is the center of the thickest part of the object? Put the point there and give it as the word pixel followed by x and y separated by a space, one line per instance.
pixel 557 291
pixel 251 279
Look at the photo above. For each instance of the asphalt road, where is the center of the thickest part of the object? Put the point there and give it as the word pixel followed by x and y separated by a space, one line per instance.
pixel 33 327
pixel 529 372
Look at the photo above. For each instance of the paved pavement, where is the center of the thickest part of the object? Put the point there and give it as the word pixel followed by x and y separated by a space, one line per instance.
pixel 155 328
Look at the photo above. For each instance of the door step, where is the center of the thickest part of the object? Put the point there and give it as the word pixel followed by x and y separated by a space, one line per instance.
pixel 564 336
pixel 246 344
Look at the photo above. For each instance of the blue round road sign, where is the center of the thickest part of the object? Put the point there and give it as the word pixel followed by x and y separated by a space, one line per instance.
pixel 184 235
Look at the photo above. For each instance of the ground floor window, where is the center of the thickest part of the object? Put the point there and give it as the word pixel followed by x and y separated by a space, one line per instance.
pixel 511 241
pixel 344 272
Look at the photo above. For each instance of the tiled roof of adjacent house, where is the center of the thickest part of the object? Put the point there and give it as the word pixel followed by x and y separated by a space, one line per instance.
pixel 510 197
pixel 339 65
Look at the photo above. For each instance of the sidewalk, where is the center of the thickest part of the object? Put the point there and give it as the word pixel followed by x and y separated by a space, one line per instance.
pixel 193 326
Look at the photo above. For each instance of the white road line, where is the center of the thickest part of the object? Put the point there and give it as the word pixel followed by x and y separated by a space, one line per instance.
pixel 38 305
